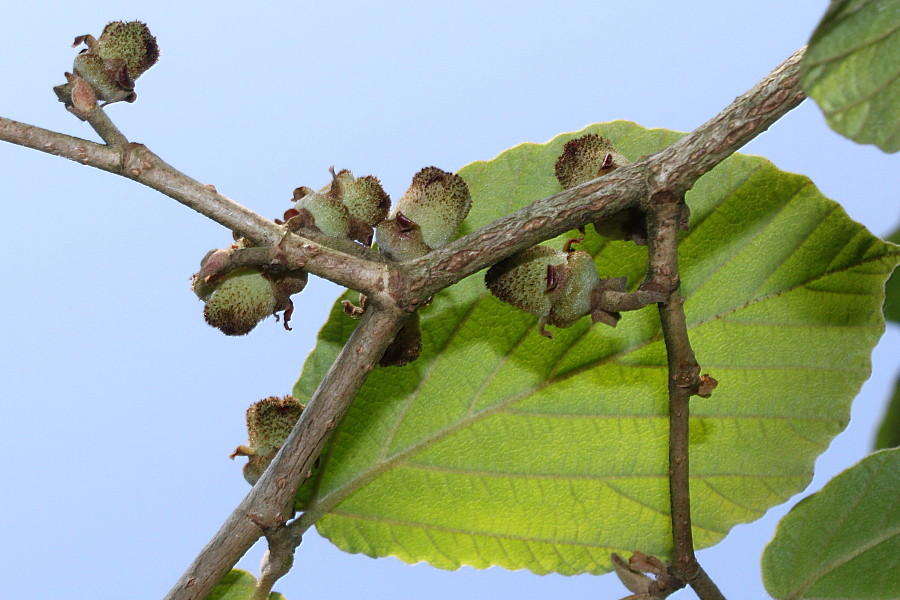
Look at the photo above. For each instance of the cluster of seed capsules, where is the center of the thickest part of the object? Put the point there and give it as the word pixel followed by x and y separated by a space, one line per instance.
pixel 559 285
pixel 426 217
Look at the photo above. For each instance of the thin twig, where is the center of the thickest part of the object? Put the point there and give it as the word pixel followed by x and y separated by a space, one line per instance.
pixel 278 560
pixel 137 162
pixel 106 129
pixel 263 510
pixel 663 219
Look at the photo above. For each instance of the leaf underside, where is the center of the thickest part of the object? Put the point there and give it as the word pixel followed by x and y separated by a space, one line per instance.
pixel 858 554
pixel 852 70
pixel 500 447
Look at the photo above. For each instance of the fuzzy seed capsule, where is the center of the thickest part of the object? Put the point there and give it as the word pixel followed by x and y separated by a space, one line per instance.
pixel 591 156
pixel 131 42
pixel 347 207
pixel 400 239
pixel 110 65
pixel 585 158
pixel 426 217
pixel 556 285
pixel 438 202
pixel 242 299
pixel 269 422
pixel 237 301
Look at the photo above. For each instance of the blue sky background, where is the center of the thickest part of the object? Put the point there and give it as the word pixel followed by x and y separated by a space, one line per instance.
pixel 121 406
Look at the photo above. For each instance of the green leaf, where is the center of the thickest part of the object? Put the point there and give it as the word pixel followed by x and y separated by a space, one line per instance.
pixel 852 70
pixel 843 541
pixel 892 289
pixel 238 585
pixel 501 447
pixel 889 432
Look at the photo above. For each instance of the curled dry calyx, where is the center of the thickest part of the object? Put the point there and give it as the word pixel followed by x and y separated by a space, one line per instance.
pixel 588 157
pixel 107 69
pixel 237 299
pixel 269 422
pixel 348 207
pixel 428 216
pixel 562 286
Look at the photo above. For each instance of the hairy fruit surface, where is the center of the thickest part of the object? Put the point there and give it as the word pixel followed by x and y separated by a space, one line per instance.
pixel 269 422
pixel 556 285
pixel 426 217
pixel 242 299
pixel 588 157
pixel 109 66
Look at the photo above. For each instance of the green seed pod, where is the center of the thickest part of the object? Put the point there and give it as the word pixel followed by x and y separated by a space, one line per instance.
pixel 347 207
pixel 556 285
pixel 585 158
pixel 363 196
pixel 325 213
pixel 131 42
pixel 238 299
pixel 242 299
pixel 438 202
pixel 588 157
pixel 269 422
pixel 112 63
pixel 400 239
pixel 573 295
pixel 523 279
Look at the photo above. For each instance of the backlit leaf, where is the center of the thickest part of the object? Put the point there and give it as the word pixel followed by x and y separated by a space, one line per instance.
pixel 501 447
pixel 843 541
pixel 238 585
pixel 852 70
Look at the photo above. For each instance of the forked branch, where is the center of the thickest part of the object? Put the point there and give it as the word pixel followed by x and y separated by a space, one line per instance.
pixel 396 289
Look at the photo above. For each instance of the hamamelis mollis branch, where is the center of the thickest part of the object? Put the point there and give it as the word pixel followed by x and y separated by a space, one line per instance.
pixel 266 508
pixel 675 169
pixel 137 162
pixel 395 289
